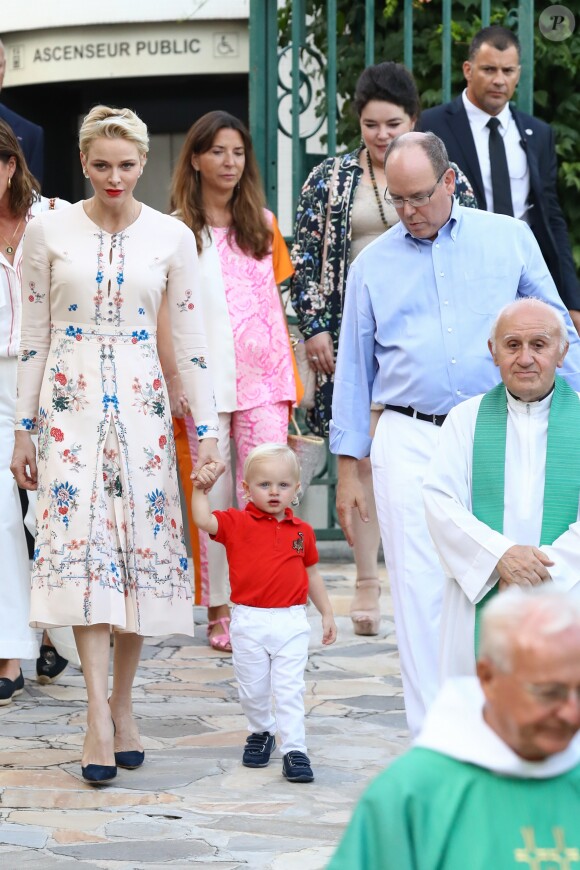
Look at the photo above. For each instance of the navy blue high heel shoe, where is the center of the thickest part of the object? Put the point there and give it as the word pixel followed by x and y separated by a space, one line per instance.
pixel 129 759
pixel 98 774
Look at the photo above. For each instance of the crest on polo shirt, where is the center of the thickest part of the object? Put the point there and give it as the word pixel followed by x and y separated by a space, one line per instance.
pixel 298 544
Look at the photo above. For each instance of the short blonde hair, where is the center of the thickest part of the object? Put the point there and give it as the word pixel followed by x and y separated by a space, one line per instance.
pixel 104 121
pixel 272 451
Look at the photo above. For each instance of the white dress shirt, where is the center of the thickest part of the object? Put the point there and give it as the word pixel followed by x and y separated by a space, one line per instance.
pixel 10 286
pixel 516 156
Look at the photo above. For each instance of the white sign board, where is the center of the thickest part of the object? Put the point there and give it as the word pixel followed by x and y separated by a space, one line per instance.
pixel 82 53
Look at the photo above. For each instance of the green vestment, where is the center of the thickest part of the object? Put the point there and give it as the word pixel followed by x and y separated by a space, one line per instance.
pixel 431 812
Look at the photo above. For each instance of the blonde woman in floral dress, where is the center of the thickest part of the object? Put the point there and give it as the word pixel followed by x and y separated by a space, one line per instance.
pixel 110 553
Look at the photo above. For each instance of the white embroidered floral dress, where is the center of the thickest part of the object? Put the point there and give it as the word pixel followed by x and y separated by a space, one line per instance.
pixel 109 546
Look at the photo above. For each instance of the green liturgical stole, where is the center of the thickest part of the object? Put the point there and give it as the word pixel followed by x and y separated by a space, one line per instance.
pixel 562 484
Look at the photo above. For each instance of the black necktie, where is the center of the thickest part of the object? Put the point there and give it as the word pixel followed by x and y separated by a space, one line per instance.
pixel 500 177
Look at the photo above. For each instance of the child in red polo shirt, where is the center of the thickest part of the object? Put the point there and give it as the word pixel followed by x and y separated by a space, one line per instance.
pixel 272 561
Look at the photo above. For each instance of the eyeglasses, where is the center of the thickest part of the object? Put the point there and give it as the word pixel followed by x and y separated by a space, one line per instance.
pixel 552 693
pixel 415 201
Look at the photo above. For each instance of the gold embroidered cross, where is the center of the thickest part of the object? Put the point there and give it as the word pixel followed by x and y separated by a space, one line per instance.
pixel 536 857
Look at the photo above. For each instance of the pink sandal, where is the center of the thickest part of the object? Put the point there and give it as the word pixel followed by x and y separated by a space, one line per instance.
pixel 220 642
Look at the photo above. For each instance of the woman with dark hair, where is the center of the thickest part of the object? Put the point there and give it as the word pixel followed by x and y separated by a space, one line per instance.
pixel 20 201
pixel 387 104
pixel 217 193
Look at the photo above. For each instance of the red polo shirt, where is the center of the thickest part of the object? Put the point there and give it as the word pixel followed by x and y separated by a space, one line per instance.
pixel 267 558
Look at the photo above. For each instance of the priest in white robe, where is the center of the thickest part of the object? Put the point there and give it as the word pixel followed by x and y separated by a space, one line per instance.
pixel 493 781
pixel 488 480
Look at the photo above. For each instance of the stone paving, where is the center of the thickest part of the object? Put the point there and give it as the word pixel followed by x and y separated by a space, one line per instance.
pixel 193 804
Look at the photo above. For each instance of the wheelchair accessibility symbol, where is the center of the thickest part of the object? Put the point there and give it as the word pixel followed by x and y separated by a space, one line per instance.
pixel 225 45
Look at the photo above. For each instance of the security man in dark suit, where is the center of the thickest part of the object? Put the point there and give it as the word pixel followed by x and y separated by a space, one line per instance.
pixel 509 157
pixel 29 135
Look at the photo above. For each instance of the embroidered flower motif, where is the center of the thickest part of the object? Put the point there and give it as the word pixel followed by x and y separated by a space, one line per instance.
pixel 183 562
pixel 74 332
pixel 162 441
pixel 63 500
pixel 28 423
pixel 117 241
pixel 140 335
pixel 153 463
pixel 110 400
pixel 186 304
pixel 112 474
pixel 73 307
pixel 34 295
pixel 25 355
pixel 149 399
pixel 201 430
pixel 66 394
pixel 141 311
pixel 156 510
pixel 71 457
pixel 199 361
pixel 57 434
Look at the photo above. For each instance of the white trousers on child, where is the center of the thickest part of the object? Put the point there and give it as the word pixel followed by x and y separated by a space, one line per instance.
pixel 270 651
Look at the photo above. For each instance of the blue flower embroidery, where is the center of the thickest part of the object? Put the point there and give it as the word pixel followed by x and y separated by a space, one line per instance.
pixel 199 361
pixel 73 331
pixel 28 423
pixel 156 509
pixel 64 496
pixel 140 335
pixel 27 354
pixel 73 307
pixel 183 562
pixel 110 400
pixel 141 311
pixel 201 430
pixel 36 554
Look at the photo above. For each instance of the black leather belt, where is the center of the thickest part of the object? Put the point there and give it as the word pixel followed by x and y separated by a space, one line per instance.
pixel 436 419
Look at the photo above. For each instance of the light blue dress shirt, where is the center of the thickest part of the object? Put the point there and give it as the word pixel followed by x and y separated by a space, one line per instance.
pixel 417 316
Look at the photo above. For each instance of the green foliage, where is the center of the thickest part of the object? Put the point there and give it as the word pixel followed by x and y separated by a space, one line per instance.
pixel 556 71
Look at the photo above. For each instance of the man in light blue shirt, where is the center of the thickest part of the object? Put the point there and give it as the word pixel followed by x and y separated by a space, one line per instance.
pixel 419 303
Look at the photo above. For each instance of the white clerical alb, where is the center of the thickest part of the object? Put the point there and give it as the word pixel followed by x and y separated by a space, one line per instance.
pixel 468 549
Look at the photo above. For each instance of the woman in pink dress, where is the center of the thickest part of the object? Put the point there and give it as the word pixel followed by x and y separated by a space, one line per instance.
pixel 217 193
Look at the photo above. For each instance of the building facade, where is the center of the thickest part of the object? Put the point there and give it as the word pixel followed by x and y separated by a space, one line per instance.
pixel 171 62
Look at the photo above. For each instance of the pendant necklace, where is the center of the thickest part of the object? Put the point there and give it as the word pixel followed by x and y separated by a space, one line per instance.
pixel 376 190
pixel 9 245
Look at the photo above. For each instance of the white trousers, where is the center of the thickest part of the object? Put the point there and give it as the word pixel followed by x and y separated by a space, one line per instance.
pixel 17 639
pixel 270 651
pixel 401 451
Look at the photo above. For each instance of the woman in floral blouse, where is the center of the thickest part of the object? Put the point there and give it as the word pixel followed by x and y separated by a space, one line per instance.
pixel 387 103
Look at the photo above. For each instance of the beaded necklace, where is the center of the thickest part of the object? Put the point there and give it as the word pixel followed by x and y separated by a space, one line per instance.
pixel 376 190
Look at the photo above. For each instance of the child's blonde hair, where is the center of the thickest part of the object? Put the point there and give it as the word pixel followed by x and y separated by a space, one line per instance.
pixel 272 451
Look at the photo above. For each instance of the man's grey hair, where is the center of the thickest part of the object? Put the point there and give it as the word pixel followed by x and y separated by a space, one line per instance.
pixel 539 612
pixel 531 300
pixel 431 144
